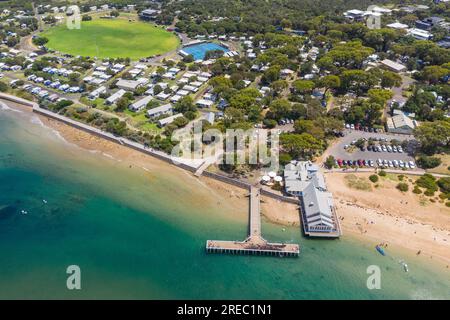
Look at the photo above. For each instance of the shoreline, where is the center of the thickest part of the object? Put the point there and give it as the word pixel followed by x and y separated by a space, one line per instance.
pixel 355 218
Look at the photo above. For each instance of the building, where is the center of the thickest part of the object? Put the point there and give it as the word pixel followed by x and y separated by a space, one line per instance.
pixel 401 123
pixel 398 26
pixel 168 120
pixel 429 23
pixel 149 14
pixel 116 96
pixel 159 111
pixel 420 34
pixel 97 92
pixel 128 85
pixel 140 104
pixel 393 66
pixel 319 218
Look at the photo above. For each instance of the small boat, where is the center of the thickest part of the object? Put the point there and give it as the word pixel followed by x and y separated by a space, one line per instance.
pixel 44 201
pixel 380 250
pixel 24 212
pixel 404 265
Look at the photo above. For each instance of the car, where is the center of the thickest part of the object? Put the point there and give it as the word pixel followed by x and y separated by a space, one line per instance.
pixel 400 149
pixel 401 164
pixel 344 162
pixel 355 162
pixel 360 163
pixel 412 165
pixel 352 126
pixel 346 146
pixel 379 149
pixel 372 163
pixel 369 148
pixel 383 147
pixel 365 163
pixel 396 164
pixel 394 149
pixel 390 164
pixel 339 162
pixel 385 163
pixel 347 126
pixel 389 148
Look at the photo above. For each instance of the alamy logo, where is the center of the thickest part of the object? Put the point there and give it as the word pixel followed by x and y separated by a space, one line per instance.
pixel 374 280
pixel 374 18
pixel 74 280
pixel 73 17
pixel 234 147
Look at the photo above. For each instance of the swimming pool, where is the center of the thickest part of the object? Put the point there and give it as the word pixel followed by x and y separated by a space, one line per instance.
pixel 198 51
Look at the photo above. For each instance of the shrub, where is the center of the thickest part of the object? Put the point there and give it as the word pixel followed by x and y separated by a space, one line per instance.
pixel 373 178
pixel 417 190
pixel 444 184
pixel 382 173
pixel 428 182
pixel 403 187
pixel 447 204
pixel 400 177
pixel 429 193
pixel 428 162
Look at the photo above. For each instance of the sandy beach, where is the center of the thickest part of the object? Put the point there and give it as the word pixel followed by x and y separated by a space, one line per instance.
pixel 386 215
pixel 383 215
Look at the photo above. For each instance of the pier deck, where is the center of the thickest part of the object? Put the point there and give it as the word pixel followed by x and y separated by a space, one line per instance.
pixel 255 244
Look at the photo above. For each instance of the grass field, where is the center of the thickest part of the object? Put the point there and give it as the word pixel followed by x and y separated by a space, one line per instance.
pixel 111 39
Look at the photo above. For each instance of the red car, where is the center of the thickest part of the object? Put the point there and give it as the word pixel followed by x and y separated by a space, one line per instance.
pixel 339 161
pixel 360 163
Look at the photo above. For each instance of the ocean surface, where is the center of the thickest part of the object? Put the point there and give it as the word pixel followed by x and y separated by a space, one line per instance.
pixel 140 234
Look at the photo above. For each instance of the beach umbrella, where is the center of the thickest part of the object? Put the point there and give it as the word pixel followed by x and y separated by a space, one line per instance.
pixel 272 174
pixel 278 179
pixel 265 178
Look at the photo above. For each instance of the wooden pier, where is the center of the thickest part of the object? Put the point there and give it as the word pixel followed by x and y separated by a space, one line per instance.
pixel 255 244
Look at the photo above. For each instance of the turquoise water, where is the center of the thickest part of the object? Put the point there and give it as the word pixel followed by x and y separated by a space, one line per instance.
pixel 198 51
pixel 141 234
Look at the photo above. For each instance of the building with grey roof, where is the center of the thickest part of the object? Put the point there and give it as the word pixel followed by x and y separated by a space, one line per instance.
pixel 304 180
pixel 159 111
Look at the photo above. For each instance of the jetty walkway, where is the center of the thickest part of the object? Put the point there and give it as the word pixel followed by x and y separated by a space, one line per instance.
pixel 255 244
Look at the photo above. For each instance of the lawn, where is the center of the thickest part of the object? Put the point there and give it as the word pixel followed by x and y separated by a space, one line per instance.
pixel 112 39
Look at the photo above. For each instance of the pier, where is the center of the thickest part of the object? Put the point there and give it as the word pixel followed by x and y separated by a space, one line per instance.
pixel 255 244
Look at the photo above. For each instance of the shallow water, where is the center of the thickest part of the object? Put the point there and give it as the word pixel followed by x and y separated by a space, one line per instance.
pixel 141 234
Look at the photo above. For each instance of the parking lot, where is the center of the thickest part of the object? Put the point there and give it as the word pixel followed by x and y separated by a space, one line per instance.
pixel 345 149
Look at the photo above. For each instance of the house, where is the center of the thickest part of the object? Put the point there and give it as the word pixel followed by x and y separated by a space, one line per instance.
pixel 420 34
pixel 203 103
pixel 140 104
pixel 355 15
pixel 429 23
pixel 149 14
pixel 116 96
pixel 393 66
pixel 96 93
pixel 159 111
pixel 401 123
pixel 166 121
pixel 397 26
pixel 129 85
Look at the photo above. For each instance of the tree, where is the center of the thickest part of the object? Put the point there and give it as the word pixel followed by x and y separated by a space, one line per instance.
pixel 379 96
pixel 357 80
pixel 433 74
pixel 433 136
pixel 330 162
pixel 427 162
pixel 303 86
pixel 329 82
pixel 279 109
pixel 122 104
pixel 390 79
pixel 300 145
pixel 278 86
